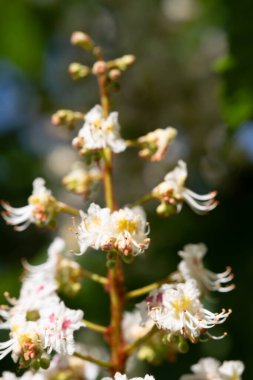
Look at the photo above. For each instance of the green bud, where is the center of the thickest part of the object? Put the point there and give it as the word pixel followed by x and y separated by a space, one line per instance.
pixel 171 338
pixel 78 71
pixel 165 209
pixel 36 364
pixel 183 346
pixel 44 363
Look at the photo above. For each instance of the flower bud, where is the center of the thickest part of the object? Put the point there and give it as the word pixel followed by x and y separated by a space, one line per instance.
pixel 78 71
pixel 165 209
pixel 114 74
pixel 183 346
pixel 124 62
pixel 66 118
pixel 44 363
pixel 82 40
pixel 99 68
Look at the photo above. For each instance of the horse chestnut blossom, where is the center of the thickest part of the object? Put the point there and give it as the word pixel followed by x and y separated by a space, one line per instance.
pixel 81 179
pixel 41 209
pixel 99 132
pixel 124 230
pixel 177 309
pixel 192 267
pixel 41 327
pixel 60 270
pixel 209 368
pixel 172 192
pixel 118 376
pixel 155 144
pixel 38 320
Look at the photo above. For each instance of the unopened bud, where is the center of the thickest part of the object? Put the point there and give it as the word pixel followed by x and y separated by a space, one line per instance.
pixel 124 62
pixel 44 363
pixel 114 74
pixel 183 346
pixel 99 68
pixel 82 39
pixel 165 209
pixel 171 338
pixel 77 142
pixel 66 118
pixel 78 71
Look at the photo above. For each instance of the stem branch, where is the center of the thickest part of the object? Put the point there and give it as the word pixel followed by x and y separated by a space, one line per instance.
pixel 95 326
pixel 93 360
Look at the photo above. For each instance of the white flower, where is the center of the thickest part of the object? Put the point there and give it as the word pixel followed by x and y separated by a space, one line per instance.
pixel 57 328
pixel 124 230
pixel 231 370
pixel 192 267
pixel 130 230
pixel 94 229
pixel 41 208
pixel 81 179
pixel 132 327
pixel 177 309
pixel 211 369
pixel 205 369
pixel 154 145
pixel 172 191
pixel 99 132
pixel 118 376
pixel 24 340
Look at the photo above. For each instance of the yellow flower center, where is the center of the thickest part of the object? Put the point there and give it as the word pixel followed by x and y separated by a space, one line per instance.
pixel 127 225
pixel 181 305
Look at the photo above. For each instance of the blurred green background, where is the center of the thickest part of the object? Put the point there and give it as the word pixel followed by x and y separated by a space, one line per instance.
pixel 193 72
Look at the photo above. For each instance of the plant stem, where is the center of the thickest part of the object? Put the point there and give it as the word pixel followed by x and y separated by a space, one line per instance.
pixel 94 277
pixel 95 326
pixel 117 296
pixel 90 359
pixel 142 200
pixel 63 207
pixel 115 285
pixel 148 288
pixel 133 346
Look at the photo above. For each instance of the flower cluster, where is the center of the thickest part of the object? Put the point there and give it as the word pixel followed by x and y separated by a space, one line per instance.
pixel 41 209
pixel 192 267
pixel 99 132
pixel 124 231
pixel 38 320
pixel 177 309
pixel 210 368
pixel 172 192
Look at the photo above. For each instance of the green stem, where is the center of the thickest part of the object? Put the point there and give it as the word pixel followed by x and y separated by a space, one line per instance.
pixel 90 359
pixel 148 288
pixel 63 207
pixel 95 277
pixel 95 326
pixel 133 346
pixel 142 200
